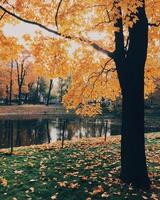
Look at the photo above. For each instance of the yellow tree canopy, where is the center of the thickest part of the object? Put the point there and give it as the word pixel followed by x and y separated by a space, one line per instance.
pixel 83 44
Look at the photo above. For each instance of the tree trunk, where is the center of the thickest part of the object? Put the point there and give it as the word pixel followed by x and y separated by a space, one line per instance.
pixel 26 97
pixel 10 92
pixel 18 140
pixel 130 67
pixel 49 92
pixel 11 135
pixel 133 160
pixel 19 94
pixel 134 167
pixel 48 133
pixel 11 84
pixel 37 91
pixel 7 95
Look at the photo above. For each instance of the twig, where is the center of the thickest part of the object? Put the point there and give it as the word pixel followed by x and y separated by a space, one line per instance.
pixel 57 12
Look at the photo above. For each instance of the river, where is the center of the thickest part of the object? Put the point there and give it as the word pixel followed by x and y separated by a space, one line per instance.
pixel 25 131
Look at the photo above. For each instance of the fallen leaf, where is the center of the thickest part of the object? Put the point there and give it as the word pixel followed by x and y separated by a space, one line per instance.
pixel 3 181
pixel 98 189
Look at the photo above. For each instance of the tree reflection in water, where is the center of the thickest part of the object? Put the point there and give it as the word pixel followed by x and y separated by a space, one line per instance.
pixel 16 133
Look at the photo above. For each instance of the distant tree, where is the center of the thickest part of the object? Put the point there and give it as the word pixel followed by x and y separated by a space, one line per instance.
pixel 21 74
pixel 43 89
pixel 31 92
pixel 25 73
pixel 37 91
pixel 49 91
pixel 63 85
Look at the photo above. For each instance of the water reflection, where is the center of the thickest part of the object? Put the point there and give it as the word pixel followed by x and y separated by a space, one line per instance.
pixel 37 131
pixel 14 133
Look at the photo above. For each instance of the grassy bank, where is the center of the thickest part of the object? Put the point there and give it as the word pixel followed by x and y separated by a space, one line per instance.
pixel 82 170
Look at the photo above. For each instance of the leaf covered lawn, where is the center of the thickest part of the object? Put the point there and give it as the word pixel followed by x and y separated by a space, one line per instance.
pixel 83 170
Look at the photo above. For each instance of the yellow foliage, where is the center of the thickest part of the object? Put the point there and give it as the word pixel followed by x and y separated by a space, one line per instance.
pixel 87 23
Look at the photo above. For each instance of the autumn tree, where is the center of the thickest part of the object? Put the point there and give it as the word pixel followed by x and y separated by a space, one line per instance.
pixel 22 68
pixel 9 51
pixel 111 40
pixel 4 87
pixel 56 67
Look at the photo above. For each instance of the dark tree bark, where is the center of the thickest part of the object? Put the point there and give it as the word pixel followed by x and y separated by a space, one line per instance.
pixel 7 94
pixel 63 132
pixel 37 91
pixel 11 135
pixel 26 97
pixel 49 92
pixel 21 74
pixel 130 65
pixel 19 95
pixel 18 139
pixel 11 84
pixel 48 133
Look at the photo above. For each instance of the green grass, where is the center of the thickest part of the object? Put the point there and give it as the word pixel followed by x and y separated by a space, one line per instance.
pixel 87 169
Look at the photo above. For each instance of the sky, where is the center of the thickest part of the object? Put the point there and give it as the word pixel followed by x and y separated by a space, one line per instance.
pixel 21 29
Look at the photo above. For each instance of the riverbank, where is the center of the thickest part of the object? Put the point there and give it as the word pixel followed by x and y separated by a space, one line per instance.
pixel 28 110
pixel 86 169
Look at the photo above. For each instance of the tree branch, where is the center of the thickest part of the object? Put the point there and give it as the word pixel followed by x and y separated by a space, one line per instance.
pixel 29 22
pixel 154 24
pixel 1 17
pixel 57 12
pixel 95 46
pixel 97 75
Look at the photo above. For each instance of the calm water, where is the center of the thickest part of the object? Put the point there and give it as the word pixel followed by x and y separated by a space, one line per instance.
pixel 22 132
